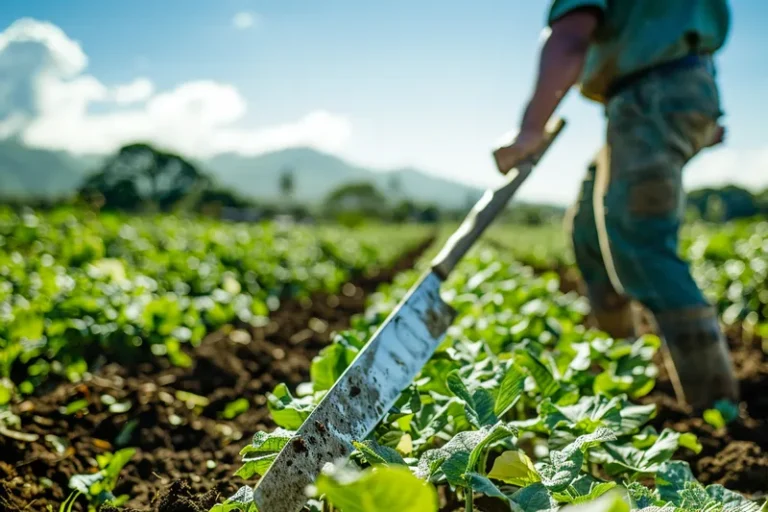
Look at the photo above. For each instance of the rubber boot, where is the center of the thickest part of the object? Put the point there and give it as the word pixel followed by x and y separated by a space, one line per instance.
pixel 618 323
pixel 701 370
pixel 613 313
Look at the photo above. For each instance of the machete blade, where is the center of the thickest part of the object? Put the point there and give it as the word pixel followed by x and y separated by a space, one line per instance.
pixel 361 397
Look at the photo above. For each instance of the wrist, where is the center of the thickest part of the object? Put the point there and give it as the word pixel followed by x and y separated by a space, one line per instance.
pixel 531 122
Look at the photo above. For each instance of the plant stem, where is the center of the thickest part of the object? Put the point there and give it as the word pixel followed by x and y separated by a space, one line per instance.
pixel 469 502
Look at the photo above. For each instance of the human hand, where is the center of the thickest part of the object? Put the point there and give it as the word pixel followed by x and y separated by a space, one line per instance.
pixel 526 143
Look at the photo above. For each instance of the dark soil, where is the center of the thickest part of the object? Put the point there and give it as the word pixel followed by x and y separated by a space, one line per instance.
pixel 186 455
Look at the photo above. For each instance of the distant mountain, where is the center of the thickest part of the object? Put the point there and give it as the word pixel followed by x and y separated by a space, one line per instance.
pixel 315 174
pixel 27 171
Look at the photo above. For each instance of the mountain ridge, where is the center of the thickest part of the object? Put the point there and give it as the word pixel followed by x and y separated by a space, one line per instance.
pixel 32 172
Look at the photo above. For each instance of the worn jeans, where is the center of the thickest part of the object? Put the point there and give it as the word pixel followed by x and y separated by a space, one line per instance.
pixel 625 223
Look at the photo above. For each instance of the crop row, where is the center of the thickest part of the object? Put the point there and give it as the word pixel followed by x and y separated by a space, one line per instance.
pixel 521 406
pixel 74 285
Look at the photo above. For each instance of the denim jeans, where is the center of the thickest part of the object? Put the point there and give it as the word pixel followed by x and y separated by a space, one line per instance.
pixel 626 221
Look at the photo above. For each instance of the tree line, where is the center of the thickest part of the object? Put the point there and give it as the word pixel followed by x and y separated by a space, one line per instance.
pixel 141 178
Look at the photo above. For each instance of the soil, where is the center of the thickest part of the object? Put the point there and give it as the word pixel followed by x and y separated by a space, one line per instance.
pixel 186 454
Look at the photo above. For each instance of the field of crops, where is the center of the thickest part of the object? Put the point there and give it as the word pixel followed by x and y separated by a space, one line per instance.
pixel 160 364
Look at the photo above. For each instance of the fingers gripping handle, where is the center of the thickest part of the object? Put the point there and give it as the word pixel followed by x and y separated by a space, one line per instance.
pixel 488 207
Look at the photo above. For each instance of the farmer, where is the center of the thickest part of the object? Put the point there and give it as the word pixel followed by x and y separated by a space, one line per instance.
pixel 649 63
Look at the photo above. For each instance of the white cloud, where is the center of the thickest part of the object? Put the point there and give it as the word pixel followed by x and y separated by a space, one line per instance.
pixel 244 20
pixel 47 96
pixel 137 91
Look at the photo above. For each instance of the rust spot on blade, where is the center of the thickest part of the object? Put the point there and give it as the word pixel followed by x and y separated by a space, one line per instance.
pixel 299 445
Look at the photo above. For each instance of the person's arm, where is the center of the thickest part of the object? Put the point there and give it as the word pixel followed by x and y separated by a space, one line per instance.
pixel 561 61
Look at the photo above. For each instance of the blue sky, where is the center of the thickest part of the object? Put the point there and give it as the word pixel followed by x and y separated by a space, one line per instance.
pixel 426 84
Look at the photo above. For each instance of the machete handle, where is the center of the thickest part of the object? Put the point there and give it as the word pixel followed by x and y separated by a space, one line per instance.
pixel 488 207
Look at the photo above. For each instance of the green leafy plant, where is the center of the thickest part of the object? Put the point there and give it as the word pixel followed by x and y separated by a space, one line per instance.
pixel 520 404
pixel 129 288
pixel 98 486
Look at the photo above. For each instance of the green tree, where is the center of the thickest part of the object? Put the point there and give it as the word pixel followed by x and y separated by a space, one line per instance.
pixel 140 176
pixel 403 211
pixel 353 202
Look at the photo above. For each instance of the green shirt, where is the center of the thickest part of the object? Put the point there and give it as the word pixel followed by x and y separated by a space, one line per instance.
pixel 636 34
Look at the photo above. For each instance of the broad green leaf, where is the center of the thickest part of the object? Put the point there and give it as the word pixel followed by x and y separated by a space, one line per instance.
pixel 287 411
pixel 261 453
pixel 496 433
pixel 585 488
pixel 731 500
pixel 481 484
pixel 626 458
pixel 377 489
pixel 546 383
pixel 512 386
pixel 694 497
pixel 483 407
pixel 565 465
pixel 514 467
pixel 377 454
pixel 479 405
pixel 583 417
pixel 534 498
pixel 455 467
pixel 633 417
pixel 671 480
pixel 562 471
pixel 329 364
pixel 469 443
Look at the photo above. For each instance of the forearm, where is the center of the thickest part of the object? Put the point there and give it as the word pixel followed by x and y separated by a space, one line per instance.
pixel 560 65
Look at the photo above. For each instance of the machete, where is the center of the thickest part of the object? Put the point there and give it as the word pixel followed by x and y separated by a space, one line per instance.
pixel 386 365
